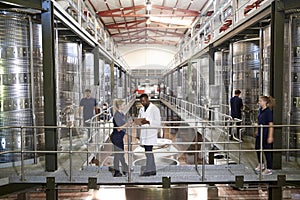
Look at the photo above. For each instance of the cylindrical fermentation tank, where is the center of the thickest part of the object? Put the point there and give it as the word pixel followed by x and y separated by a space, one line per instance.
pixel 68 79
pixel 37 83
pixel 266 61
pixel 245 75
pixel 21 95
pixel 295 85
pixel 204 77
pixel 222 78
pixel 87 72
pixel 107 83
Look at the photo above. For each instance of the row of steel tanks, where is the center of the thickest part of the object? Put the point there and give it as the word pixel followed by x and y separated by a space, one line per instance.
pixel 21 82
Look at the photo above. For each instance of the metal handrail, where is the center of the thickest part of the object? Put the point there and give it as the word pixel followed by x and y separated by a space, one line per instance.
pixel 204 151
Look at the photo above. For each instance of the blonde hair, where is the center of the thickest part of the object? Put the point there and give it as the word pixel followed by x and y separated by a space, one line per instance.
pixel 270 101
pixel 117 104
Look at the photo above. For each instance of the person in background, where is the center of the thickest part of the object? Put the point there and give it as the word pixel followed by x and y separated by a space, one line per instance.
pixel 236 105
pixel 117 137
pixel 105 116
pixel 148 137
pixel 89 106
pixel 265 117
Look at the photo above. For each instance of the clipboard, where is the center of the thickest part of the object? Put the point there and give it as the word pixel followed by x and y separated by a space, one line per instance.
pixel 138 121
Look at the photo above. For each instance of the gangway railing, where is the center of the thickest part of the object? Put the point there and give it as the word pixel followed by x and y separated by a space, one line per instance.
pixel 198 112
pixel 204 151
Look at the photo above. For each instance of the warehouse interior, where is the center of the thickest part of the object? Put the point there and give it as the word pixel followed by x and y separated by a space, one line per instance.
pixel 188 56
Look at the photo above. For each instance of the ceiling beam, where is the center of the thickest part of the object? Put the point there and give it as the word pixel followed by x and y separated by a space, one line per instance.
pixel 132 8
pixel 167 32
pixel 156 36
pixel 151 42
pixel 132 12
pixel 145 15
pixel 163 33
pixel 127 32
pixel 121 24
pixel 140 7
pixel 190 12
pixel 153 27
pixel 131 38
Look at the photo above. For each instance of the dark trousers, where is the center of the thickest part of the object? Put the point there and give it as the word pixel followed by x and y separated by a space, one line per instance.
pixel 150 162
pixel 237 130
pixel 268 154
pixel 119 157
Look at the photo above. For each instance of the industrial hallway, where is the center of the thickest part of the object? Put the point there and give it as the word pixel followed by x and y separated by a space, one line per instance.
pixel 64 65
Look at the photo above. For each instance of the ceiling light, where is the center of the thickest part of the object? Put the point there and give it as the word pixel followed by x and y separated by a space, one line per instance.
pixel 121 8
pixel 148 21
pixel 175 8
pixel 192 1
pixel 105 1
pixel 148 5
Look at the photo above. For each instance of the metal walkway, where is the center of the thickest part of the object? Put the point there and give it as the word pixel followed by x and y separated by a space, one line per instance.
pixel 184 174
pixel 73 169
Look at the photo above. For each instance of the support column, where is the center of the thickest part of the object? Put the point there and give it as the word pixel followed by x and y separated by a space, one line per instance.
pixel 96 66
pixel 49 84
pixel 189 95
pixel 112 81
pixel 211 63
pixel 275 190
pixel 179 84
pixel 23 196
pixel 172 85
pixel 51 192
pixel 276 71
pixel 125 85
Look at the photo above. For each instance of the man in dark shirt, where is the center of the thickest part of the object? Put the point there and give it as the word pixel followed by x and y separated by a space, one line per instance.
pixel 89 106
pixel 236 105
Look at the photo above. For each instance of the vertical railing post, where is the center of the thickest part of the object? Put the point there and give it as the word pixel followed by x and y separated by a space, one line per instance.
pixel 70 150
pixel 196 149
pixel 203 154
pixel 240 144
pixel 22 152
pixel 261 151
pixel 129 154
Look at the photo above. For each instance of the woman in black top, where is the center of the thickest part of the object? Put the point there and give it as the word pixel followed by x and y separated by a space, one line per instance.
pixel 118 136
pixel 265 117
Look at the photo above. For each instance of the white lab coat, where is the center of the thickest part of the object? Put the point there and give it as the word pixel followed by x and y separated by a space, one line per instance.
pixel 152 114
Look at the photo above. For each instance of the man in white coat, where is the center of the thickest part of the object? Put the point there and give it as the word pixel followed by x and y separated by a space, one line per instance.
pixel 148 137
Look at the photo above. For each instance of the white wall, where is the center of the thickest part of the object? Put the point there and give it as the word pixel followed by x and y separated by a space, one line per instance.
pixel 147 57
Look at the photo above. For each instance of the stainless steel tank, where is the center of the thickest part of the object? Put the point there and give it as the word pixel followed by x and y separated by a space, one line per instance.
pixel 101 95
pixel 245 76
pixel 204 80
pixel 68 78
pixel 87 72
pixel 222 75
pixel 295 83
pixel 107 83
pixel 37 83
pixel 266 61
pixel 15 93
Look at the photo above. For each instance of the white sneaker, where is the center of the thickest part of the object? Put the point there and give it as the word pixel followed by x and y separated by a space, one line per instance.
pixel 267 172
pixel 257 169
